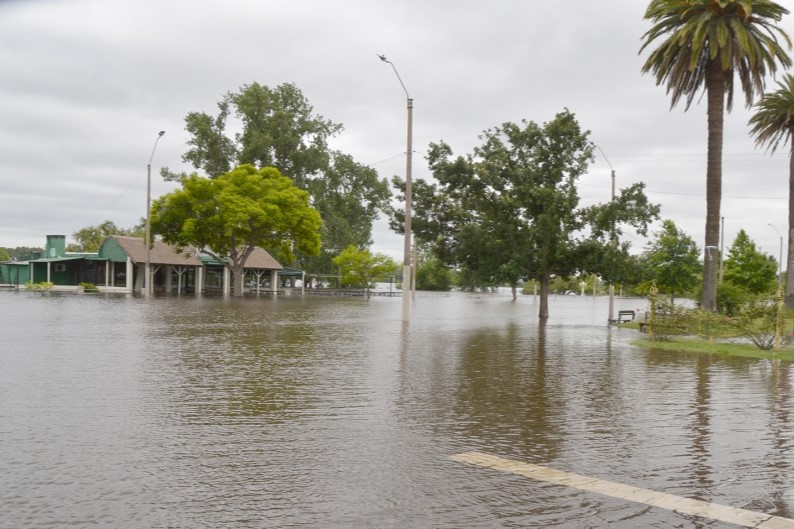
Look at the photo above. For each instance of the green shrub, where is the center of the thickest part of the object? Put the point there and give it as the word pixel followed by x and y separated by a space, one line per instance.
pixel 667 320
pixel 758 321
pixel 39 287
pixel 731 297
pixel 89 287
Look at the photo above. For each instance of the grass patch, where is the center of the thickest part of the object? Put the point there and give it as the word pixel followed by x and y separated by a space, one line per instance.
pixel 697 346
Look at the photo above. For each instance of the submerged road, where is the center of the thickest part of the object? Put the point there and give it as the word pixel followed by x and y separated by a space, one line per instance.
pixel 621 491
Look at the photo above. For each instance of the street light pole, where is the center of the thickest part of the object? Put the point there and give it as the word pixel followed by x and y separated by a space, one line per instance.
pixel 147 269
pixel 779 295
pixel 612 240
pixel 407 291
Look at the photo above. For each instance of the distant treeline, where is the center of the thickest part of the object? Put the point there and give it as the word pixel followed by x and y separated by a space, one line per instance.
pixel 20 252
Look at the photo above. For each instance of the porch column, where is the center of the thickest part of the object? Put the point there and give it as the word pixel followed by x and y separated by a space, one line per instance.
pixel 226 281
pixel 274 281
pixel 199 280
pixel 128 283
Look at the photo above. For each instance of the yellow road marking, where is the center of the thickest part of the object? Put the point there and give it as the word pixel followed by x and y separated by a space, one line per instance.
pixel 662 500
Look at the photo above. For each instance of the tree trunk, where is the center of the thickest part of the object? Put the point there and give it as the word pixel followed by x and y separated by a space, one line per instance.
pixel 238 272
pixel 715 89
pixel 543 312
pixel 789 255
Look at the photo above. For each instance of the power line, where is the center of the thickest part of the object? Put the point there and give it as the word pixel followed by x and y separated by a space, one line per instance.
pixel 386 159
pixel 770 157
pixel 691 194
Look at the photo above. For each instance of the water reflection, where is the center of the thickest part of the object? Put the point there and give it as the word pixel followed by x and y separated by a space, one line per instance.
pixel 519 414
pixel 310 412
pixel 776 376
pixel 252 364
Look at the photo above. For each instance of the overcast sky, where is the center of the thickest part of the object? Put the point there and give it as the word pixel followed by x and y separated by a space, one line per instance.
pixel 87 85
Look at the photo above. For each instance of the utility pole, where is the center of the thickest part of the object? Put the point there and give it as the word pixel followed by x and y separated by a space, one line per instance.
pixel 612 239
pixel 407 275
pixel 147 268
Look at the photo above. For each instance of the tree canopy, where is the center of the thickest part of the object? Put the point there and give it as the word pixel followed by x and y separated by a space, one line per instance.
pixel 280 129
pixel 672 260
pixel 360 267
pixel 748 268
pixel 89 239
pixel 510 210
pixel 230 215
pixel 21 252
pixel 349 198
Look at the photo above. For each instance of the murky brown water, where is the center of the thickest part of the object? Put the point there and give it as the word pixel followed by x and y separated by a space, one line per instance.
pixel 329 413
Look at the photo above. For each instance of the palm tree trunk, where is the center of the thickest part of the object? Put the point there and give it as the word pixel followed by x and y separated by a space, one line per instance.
pixel 789 255
pixel 715 90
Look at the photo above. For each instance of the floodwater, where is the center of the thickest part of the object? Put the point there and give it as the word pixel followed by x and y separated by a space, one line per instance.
pixel 185 412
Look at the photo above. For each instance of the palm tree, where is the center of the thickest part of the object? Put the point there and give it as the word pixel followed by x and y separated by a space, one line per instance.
pixel 773 124
pixel 703 44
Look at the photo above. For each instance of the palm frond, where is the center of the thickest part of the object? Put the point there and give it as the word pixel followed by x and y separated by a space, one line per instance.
pixel 742 35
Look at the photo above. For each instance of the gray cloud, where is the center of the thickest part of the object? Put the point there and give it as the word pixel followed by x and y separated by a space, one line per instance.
pixel 87 84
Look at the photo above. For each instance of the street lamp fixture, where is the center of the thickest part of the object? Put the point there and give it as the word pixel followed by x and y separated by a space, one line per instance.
pixel 406 311
pixel 147 269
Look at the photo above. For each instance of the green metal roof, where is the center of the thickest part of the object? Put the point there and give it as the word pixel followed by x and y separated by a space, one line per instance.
pixel 65 258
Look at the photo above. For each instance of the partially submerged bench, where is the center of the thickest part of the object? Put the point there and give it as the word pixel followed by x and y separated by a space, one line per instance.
pixel 624 316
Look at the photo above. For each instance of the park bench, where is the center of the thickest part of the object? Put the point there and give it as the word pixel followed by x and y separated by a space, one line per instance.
pixel 624 316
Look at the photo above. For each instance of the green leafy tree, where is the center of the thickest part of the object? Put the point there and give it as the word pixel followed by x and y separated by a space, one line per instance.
pixel 349 197
pixel 360 267
pixel 672 260
pixel 605 254
pixel 89 239
pixel 634 273
pixel 4 255
pixel 280 129
pixel 518 188
pixel 509 211
pixel 572 284
pixel 230 215
pixel 773 125
pixel 24 252
pixel 731 298
pixel 445 222
pixel 747 267
pixel 702 45
pixel 434 274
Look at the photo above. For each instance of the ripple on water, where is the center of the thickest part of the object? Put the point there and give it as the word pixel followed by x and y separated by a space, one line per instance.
pixel 318 412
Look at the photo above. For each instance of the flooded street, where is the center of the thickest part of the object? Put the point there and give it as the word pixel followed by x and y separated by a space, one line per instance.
pixel 331 413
